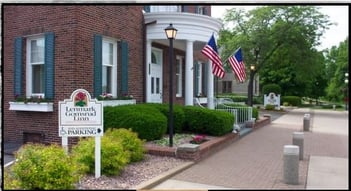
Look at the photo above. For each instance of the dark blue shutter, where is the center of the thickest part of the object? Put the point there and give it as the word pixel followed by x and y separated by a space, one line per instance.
pixel 147 8
pixel 124 71
pixel 17 66
pixel 196 74
pixel 49 65
pixel 97 65
pixel 196 9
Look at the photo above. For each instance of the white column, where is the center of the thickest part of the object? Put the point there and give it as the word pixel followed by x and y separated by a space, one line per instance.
pixel 148 62
pixel 210 81
pixel 189 74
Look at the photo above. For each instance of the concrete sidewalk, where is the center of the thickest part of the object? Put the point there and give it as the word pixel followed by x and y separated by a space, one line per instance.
pixel 256 160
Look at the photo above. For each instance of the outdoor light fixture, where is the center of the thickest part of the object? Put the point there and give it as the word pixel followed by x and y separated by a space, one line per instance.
pixel 252 67
pixel 171 33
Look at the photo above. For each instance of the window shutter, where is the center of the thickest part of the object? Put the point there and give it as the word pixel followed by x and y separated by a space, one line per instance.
pixel 18 66
pixel 196 84
pixel 97 65
pixel 124 78
pixel 147 8
pixel 49 65
pixel 196 9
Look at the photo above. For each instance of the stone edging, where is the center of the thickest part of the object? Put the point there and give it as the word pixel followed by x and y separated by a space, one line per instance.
pixel 206 148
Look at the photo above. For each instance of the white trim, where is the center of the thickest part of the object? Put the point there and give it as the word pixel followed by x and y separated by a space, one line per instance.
pixel 114 82
pixel 29 72
pixel 179 88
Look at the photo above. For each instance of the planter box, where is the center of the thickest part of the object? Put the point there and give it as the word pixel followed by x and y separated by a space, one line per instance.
pixel 31 106
pixel 118 102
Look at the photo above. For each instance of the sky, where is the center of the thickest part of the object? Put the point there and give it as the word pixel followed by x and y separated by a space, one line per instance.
pixel 331 37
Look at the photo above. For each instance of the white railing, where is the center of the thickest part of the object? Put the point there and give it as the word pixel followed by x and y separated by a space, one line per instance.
pixel 241 114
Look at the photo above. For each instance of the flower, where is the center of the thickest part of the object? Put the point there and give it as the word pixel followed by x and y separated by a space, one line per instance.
pixel 35 99
pixel 80 99
pixel 106 96
pixel 198 139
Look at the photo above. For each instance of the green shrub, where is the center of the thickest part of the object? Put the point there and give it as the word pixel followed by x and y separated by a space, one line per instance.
pixel 148 122
pixel 268 88
pixel 270 107
pixel 113 156
pixel 130 142
pixel 206 121
pixel 292 100
pixel 44 167
pixel 178 115
pixel 255 113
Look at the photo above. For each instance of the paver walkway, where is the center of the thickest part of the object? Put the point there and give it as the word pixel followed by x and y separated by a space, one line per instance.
pixel 256 160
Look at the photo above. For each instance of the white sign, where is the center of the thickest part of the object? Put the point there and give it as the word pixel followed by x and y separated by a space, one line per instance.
pixel 80 116
pixel 272 99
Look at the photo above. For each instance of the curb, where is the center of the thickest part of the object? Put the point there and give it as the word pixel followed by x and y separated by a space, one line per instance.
pixel 162 177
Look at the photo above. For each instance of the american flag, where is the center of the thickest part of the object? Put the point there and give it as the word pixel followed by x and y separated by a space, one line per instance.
pixel 237 64
pixel 210 50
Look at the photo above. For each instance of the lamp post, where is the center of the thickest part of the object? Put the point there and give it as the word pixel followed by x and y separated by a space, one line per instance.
pixel 171 33
pixel 347 90
pixel 252 74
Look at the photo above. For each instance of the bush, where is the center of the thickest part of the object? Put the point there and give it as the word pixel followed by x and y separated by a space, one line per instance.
pixel 148 122
pixel 44 167
pixel 206 121
pixel 268 88
pixel 113 156
pixel 270 107
pixel 130 142
pixel 292 100
pixel 178 115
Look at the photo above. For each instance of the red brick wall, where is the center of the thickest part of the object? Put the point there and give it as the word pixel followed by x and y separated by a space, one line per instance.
pixel 74 27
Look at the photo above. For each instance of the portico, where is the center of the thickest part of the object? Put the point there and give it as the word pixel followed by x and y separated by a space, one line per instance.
pixel 194 31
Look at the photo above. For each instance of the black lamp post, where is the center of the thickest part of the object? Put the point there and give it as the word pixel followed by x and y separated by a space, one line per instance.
pixel 347 90
pixel 171 33
pixel 252 74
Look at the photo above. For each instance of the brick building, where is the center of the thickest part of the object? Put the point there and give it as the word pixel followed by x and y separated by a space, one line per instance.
pixel 51 50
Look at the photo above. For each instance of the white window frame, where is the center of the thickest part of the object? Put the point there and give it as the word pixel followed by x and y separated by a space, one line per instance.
pixel 179 76
pixel 165 8
pixel 106 40
pixel 199 79
pixel 158 54
pixel 29 64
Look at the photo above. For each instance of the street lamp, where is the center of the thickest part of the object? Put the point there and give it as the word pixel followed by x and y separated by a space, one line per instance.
pixel 252 74
pixel 171 33
pixel 347 90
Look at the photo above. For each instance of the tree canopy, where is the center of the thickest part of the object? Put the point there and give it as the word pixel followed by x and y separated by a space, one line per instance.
pixel 286 37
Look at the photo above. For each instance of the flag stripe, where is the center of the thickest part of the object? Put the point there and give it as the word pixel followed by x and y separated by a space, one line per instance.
pixel 210 51
pixel 238 66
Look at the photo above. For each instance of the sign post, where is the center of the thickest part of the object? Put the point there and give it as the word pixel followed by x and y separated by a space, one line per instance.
pixel 81 116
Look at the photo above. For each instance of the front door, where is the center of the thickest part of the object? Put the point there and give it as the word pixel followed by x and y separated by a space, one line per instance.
pixel 155 80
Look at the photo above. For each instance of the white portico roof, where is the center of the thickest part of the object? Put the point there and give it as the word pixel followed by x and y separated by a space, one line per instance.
pixel 192 27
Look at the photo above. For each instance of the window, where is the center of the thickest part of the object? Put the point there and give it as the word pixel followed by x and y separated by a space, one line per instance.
pixel 156 56
pixel 201 10
pixel 169 8
pixel 179 66
pixel 109 67
pixel 227 87
pixel 198 79
pixel 35 66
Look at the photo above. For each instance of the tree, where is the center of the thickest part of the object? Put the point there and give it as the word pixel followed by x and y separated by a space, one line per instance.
pixel 337 65
pixel 286 37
